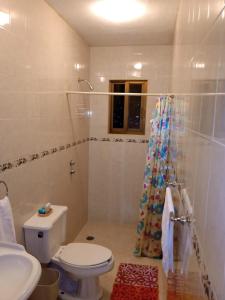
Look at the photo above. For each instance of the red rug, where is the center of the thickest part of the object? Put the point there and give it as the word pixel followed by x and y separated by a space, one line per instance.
pixel 136 282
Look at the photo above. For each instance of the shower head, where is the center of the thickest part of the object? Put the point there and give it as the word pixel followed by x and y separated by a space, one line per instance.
pixel 85 80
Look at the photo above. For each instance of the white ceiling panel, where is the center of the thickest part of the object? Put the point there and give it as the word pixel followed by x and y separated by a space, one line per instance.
pixel 156 27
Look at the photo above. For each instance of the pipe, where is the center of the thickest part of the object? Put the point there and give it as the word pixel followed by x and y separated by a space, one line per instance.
pixel 85 80
pixel 145 94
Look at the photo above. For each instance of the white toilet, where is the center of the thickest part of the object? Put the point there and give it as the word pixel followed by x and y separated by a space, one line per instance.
pixel 84 261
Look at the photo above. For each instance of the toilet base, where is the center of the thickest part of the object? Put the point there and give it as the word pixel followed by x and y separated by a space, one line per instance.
pixel 89 289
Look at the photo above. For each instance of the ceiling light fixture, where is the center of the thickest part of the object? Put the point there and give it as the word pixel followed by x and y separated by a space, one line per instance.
pixel 118 11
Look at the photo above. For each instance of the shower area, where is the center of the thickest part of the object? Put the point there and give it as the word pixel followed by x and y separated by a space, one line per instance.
pixel 117 163
pixel 192 73
pixel 116 176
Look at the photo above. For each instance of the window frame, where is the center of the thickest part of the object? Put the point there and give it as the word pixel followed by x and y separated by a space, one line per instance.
pixel 125 129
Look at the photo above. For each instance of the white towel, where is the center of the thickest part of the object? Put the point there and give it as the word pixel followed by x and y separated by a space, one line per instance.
pixel 167 233
pixel 7 229
pixel 186 235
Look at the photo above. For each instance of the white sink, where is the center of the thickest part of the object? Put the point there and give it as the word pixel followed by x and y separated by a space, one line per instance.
pixel 19 272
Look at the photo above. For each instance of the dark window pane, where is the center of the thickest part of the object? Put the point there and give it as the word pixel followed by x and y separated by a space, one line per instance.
pixel 118 106
pixel 134 110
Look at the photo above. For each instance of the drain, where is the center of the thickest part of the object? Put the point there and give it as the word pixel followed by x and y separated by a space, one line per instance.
pixel 90 238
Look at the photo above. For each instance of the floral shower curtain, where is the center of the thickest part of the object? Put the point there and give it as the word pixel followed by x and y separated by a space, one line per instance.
pixel 158 170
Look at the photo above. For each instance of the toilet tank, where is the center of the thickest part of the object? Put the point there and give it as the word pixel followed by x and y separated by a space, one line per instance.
pixel 44 235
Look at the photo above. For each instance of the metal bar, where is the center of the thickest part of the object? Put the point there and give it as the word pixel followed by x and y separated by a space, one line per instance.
pixel 143 94
pixel 182 219
pixel 174 184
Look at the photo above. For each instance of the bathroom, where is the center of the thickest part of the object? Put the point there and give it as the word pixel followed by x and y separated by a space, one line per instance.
pixel 56 143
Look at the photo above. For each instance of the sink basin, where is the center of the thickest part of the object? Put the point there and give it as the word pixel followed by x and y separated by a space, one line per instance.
pixel 19 272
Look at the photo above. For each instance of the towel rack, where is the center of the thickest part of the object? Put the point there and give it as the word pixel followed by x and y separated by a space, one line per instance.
pixel 6 187
pixel 182 219
pixel 174 184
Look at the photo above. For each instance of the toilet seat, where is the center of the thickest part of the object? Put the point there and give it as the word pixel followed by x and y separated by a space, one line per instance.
pixel 84 255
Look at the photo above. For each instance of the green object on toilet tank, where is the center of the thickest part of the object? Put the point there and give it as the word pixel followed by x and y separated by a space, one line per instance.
pixel 42 211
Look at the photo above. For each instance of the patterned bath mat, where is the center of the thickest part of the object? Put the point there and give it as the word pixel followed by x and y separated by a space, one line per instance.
pixel 135 282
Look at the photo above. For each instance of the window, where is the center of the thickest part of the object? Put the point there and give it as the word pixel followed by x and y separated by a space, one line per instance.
pixel 127 113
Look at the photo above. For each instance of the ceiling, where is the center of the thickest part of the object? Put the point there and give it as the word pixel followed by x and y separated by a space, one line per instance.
pixel 156 27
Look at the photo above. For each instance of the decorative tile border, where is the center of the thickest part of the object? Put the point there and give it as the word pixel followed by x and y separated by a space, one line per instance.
pixel 35 156
pixel 119 140
pixel 207 285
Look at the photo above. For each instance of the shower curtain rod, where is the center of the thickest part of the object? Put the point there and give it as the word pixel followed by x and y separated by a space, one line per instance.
pixel 143 94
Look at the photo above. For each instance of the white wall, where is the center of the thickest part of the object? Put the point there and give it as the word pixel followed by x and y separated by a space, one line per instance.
pixel 116 168
pixel 200 38
pixel 37 58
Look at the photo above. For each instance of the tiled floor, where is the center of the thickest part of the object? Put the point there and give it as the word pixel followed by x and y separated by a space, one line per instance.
pixel 120 239
pixel 185 287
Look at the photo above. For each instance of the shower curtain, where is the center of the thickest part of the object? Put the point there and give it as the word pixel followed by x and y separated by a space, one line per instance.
pixel 158 170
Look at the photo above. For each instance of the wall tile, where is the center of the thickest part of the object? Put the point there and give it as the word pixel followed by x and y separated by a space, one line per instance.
pixel 215 224
pixel 207 115
pixel 38 56
pixel 219 131
pixel 199 68
pixel 115 189
pixel 203 167
pixel 126 173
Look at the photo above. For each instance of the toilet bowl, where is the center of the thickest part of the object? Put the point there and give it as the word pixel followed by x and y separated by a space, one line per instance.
pixel 84 262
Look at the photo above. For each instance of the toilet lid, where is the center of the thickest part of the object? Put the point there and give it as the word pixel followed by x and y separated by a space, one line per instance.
pixel 84 254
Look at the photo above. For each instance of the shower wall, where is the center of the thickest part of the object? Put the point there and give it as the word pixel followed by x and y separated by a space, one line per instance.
pixel 199 64
pixel 116 165
pixel 41 56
